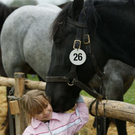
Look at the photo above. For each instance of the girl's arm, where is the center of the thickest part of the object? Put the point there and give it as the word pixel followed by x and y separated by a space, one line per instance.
pixel 80 117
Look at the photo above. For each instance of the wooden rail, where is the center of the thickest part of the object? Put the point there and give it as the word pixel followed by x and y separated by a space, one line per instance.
pixel 10 82
pixel 113 109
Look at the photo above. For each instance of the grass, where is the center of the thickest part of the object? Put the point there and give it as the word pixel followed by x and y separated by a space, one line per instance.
pixel 129 97
pixel 33 77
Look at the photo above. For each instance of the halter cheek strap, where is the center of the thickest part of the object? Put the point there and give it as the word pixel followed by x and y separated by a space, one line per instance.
pixel 71 78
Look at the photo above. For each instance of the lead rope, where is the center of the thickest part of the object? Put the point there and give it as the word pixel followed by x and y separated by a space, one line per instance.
pixel 104 117
pixel 102 91
pixel 96 117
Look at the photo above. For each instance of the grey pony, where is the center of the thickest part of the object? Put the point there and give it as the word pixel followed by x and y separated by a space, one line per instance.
pixel 25 39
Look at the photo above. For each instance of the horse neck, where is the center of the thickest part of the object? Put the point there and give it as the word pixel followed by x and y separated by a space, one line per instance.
pixel 115 30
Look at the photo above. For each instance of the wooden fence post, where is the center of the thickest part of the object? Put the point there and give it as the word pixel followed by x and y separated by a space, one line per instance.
pixel 20 119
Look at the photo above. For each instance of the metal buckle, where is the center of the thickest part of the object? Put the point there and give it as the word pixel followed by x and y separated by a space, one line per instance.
pixel 75 43
pixel 88 37
pixel 70 84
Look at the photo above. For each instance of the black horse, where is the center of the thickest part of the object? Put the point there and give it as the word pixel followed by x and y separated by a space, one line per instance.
pixel 103 30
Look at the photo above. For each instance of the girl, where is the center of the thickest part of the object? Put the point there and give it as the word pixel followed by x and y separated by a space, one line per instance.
pixel 46 122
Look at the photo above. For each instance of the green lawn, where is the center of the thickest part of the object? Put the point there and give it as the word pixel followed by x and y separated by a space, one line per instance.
pixel 129 96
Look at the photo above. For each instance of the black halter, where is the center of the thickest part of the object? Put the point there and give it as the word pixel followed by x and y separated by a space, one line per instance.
pixel 71 78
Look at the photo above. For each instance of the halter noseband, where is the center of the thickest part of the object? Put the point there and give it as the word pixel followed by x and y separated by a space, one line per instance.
pixel 71 78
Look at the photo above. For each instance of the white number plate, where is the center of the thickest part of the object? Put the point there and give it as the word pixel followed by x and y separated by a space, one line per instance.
pixel 77 57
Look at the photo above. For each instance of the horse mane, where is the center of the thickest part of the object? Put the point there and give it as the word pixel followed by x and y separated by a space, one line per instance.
pixel 92 18
pixel 90 7
pixel 66 11
pixel 5 11
pixel 60 19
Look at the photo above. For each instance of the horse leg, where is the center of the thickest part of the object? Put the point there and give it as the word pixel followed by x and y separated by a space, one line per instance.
pixel 121 127
pixel 102 125
pixel 114 91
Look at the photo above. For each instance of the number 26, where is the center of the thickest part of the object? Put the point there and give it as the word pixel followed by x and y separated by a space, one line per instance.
pixel 77 56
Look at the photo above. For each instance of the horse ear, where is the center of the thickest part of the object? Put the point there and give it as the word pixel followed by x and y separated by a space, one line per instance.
pixel 76 8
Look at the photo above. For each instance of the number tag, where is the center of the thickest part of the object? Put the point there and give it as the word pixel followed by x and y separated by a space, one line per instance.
pixel 77 57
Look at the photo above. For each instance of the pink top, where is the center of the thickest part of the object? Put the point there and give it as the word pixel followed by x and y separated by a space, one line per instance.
pixel 61 123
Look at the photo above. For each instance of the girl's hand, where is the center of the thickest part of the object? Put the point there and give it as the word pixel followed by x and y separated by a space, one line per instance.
pixel 80 100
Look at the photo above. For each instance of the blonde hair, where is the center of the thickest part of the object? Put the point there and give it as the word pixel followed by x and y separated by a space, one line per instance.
pixel 33 102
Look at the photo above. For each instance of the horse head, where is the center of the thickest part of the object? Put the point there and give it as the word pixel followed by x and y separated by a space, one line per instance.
pixel 62 71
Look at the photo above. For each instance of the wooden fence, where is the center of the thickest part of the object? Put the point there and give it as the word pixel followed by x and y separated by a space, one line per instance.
pixel 113 109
